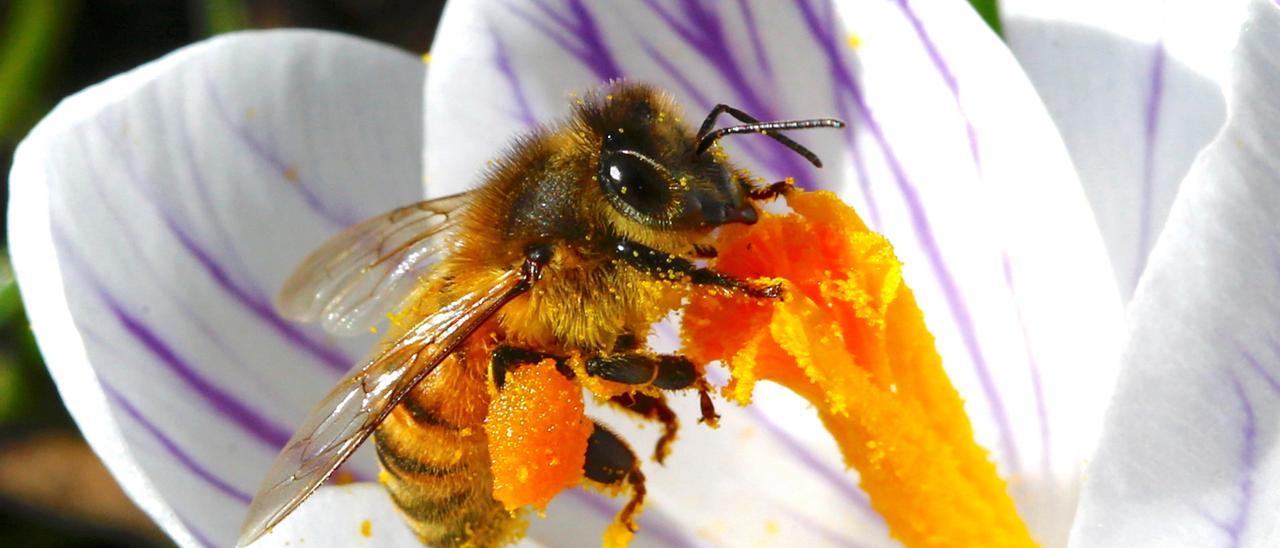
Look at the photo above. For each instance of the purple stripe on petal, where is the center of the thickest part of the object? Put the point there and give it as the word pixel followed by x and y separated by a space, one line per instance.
pixel 172 448
pixel 833 538
pixel 752 147
pixel 251 300
pixel 1248 466
pixel 1261 370
pixel 708 38
pixel 682 80
pixel 955 301
pixel 223 402
pixel 207 207
pixel 560 37
pixel 947 76
pixel 605 67
pixel 327 355
pixel 580 25
pixel 660 529
pixel 1042 411
pixel 200 537
pixel 1155 96
pixel 836 479
pixel 338 216
pixel 503 62
pixel 824 34
pixel 236 412
pixel 928 243
pixel 693 36
pixel 757 44
pixel 560 20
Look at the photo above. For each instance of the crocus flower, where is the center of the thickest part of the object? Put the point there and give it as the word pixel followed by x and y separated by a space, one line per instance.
pixel 154 215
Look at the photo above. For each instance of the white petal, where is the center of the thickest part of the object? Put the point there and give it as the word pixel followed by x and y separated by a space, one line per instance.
pixel 1188 455
pixel 950 153
pixel 359 514
pixel 1135 88
pixel 152 218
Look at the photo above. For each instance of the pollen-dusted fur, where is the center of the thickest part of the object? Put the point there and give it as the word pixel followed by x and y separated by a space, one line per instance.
pixel 546 189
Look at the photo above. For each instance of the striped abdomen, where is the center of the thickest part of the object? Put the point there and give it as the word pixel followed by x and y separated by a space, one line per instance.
pixel 435 460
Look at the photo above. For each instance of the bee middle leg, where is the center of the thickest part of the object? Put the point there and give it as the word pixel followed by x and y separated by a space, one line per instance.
pixel 652 408
pixel 663 371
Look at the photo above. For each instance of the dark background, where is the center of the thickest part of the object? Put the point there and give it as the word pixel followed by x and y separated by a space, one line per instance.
pixel 53 490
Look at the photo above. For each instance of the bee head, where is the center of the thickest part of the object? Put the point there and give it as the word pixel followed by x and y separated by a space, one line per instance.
pixel 654 170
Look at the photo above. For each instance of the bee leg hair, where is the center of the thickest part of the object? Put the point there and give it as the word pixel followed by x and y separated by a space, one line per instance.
pixel 652 408
pixel 705 251
pixel 506 358
pixel 780 188
pixel 665 371
pixel 673 267
pixel 611 462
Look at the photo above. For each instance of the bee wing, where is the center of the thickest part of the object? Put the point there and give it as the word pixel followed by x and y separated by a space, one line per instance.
pixel 356 277
pixel 349 414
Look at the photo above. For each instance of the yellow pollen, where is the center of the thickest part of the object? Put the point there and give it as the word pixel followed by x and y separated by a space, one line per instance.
pixel 426 57
pixel 854 41
pixel 366 528
pixel 848 336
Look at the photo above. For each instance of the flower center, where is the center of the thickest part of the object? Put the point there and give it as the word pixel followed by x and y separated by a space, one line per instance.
pixel 849 337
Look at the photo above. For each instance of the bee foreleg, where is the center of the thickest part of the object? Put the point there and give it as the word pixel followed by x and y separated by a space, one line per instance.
pixel 506 358
pixel 653 408
pixel 780 188
pixel 672 267
pixel 610 461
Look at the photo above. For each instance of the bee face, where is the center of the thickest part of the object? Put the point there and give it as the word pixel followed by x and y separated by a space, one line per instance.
pixel 649 169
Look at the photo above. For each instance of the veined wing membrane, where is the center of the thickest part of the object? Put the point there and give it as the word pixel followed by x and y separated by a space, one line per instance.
pixel 351 281
pixel 349 414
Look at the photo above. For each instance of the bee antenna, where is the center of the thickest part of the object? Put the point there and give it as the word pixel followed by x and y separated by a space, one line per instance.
pixel 707 137
pixel 770 129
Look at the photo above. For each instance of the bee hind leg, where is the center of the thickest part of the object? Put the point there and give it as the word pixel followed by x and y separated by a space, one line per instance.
pixel 505 358
pixel 610 461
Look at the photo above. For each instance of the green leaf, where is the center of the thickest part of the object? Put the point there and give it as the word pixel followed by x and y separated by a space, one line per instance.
pixel 225 16
pixel 10 301
pixel 30 39
pixel 14 390
pixel 990 12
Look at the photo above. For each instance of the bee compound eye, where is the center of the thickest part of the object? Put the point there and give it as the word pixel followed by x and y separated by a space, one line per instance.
pixel 632 181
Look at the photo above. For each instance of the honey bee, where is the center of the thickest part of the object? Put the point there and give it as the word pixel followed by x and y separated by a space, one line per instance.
pixel 580 238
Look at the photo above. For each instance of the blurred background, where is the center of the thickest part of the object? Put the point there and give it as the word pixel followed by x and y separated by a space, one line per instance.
pixel 54 492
